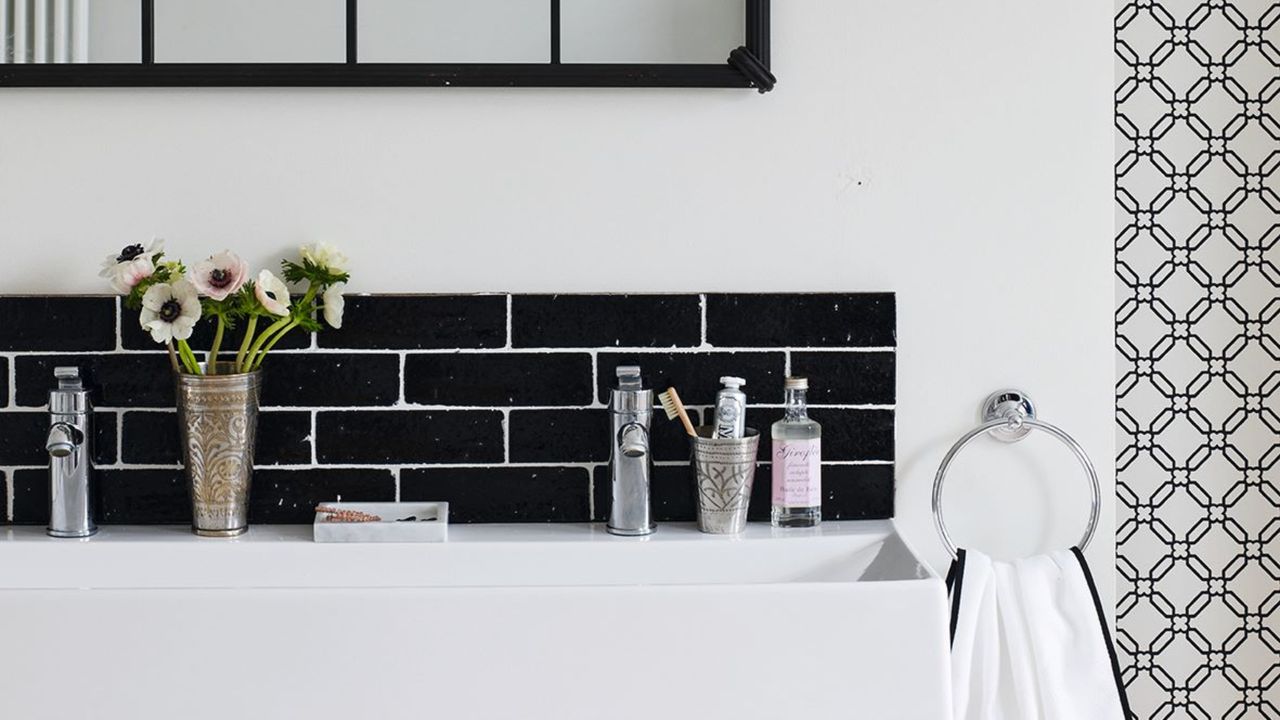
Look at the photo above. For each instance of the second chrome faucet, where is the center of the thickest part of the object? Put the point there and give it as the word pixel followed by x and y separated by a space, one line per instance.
pixel 630 410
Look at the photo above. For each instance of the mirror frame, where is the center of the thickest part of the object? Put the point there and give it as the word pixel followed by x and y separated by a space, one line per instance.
pixel 747 66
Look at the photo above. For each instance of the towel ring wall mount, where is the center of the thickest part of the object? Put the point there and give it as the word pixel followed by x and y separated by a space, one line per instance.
pixel 1009 416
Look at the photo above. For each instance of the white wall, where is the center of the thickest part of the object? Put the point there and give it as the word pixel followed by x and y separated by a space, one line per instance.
pixel 957 153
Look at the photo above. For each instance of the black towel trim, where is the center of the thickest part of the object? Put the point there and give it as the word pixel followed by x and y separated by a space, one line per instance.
pixel 955 583
pixel 1106 635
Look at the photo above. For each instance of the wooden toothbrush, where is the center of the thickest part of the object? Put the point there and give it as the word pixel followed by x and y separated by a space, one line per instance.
pixel 671 403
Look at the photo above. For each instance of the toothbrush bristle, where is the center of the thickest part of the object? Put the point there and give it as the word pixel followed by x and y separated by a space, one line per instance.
pixel 668 404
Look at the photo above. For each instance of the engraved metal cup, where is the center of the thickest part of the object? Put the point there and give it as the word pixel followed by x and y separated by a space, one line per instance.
pixel 218 418
pixel 725 470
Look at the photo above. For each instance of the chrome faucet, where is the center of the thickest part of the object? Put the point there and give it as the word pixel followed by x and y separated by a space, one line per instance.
pixel 70 502
pixel 630 409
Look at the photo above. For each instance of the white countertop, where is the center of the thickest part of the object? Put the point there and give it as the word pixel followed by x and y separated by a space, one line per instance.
pixel 284 556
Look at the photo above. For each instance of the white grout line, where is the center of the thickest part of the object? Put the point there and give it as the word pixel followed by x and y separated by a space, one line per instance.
pixel 314 457
pixel 396 473
pixel 509 333
pixel 436 408
pixel 786 368
pixel 506 436
pixel 403 361
pixel 8 493
pixel 702 312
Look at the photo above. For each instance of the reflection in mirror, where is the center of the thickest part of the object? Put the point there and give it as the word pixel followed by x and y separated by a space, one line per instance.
pixel 250 31
pixel 650 31
pixel 70 31
pixel 449 31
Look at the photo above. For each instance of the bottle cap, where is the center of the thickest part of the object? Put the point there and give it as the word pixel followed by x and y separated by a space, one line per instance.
pixel 796 383
pixel 733 383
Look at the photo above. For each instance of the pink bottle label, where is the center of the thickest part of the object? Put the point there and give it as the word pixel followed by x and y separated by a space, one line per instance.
pixel 797 473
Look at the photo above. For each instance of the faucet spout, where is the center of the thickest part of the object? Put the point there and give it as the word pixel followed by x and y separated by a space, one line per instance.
pixel 63 440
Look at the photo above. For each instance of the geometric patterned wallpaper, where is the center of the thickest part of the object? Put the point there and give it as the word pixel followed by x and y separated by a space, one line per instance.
pixel 1198 353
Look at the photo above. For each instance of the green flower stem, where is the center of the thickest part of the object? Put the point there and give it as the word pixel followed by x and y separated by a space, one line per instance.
pixel 272 343
pixel 212 360
pixel 188 358
pixel 244 344
pixel 272 329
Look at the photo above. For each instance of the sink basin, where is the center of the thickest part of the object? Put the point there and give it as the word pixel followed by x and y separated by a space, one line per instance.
pixel 502 621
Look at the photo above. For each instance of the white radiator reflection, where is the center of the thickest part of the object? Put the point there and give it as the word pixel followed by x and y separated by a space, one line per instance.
pixel 44 31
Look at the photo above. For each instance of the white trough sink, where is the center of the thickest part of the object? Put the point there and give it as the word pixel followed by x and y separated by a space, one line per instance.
pixel 501 621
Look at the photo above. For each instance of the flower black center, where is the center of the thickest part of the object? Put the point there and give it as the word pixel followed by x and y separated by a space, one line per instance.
pixel 130 252
pixel 219 278
pixel 170 311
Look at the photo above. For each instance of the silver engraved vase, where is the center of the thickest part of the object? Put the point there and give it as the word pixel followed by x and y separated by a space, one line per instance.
pixel 218 417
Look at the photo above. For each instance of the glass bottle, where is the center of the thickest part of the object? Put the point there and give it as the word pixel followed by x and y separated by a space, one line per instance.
pixel 797 462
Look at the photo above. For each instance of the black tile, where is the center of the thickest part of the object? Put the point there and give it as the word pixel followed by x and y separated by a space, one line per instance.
pixel 23 435
pixel 133 337
pixel 284 438
pixel 142 497
pixel 846 434
pixel 330 380
pixel 498 379
pixel 409 436
pixel 117 380
pixel 31 497
pixel 66 323
pixel 152 438
pixel 802 320
pixel 503 494
pixel 291 496
pixel 857 492
pixel 420 322
pixel 847 378
pixel 4 382
pixel 696 375
pixel 849 492
pixel 565 436
pixel 589 321
pixel 672 494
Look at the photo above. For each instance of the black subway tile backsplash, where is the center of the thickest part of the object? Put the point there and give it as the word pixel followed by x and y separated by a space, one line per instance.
pixel 117 380
pixel 420 322
pixel 801 320
pixel 330 380
pixel 696 375
pixel 591 321
pixel 503 494
pixel 847 378
pixel 291 496
pixel 494 403
pixel 409 436
pixel 500 379
pixel 66 323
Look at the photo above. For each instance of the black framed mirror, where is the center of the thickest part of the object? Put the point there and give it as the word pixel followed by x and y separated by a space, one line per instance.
pixel 442 43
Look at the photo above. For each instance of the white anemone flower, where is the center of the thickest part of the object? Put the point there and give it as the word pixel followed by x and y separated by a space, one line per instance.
pixel 334 304
pixel 220 276
pixel 170 311
pixel 326 256
pixel 131 266
pixel 272 293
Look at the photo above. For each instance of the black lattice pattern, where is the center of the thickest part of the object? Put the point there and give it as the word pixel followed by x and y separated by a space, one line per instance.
pixel 1198 200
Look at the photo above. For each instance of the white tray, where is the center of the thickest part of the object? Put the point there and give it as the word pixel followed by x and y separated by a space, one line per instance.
pixel 390 529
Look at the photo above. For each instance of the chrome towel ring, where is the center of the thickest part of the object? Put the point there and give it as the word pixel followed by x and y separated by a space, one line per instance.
pixel 1008 415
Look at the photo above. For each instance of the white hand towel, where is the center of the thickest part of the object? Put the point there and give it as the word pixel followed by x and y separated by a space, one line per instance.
pixel 1029 641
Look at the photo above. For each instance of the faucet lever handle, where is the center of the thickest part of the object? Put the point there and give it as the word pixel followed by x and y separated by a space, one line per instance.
pixel 68 377
pixel 629 377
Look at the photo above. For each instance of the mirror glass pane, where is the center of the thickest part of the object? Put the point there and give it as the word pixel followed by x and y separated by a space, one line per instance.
pixel 70 31
pixel 651 31
pixel 448 31
pixel 251 31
